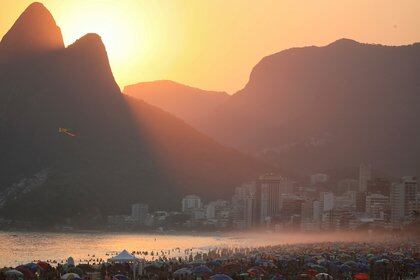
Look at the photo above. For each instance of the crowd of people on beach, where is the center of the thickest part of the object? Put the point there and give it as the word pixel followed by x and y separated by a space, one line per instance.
pixel 335 260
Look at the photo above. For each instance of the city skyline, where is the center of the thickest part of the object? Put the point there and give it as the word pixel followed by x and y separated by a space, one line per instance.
pixel 274 202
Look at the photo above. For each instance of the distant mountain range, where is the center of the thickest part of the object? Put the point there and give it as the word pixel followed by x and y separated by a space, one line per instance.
pixel 73 146
pixel 318 108
pixel 188 103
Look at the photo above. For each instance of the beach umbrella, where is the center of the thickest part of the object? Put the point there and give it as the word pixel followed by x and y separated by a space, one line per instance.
pixel 256 271
pixel 350 263
pixel 220 277
pixel 43 265
pixel 277 277
pixel 70 276
pixel 318 268
pixel 304 276
pixel 202 270
pixel 27 273
pixel 363 267
pixel 120 277
pixel 344 268
pixel 215 262
pixel 76 270
pixel 183 272
pixel 159 263
pixel 198 262
pixel 361 276
pixel 382 261
pixel 32 266
pixel 312 272
pixel 243 276
pixel 14 273
pixel 231 268
pixel 324 276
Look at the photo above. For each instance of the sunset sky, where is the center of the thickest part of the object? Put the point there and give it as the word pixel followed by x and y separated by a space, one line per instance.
pixel 214 44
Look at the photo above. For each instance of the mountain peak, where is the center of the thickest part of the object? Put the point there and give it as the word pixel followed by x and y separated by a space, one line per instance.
pixel 345 42
pixel 89 55
pixel 88 42
pixel 90 46
pixel 37 7
pixel 34 31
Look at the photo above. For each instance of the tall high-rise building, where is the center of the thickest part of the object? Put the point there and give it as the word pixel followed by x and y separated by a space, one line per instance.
pixel 244 206
pixel 403 196
pixel 317 211
pixel 251 218
pixel 307 214
pixel 365 174
pixel 191 202
pixel 327 199
pixel 269 189
pixel 139 212
pixel 360 202
pixel 291 206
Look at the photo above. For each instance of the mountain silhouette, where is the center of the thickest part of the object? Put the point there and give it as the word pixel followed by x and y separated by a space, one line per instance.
pixel 188 103
pixel 35 32
pixel 116 149
pixel 315 108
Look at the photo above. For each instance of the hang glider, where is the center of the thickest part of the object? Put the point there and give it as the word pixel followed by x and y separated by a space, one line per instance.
pixel 66 131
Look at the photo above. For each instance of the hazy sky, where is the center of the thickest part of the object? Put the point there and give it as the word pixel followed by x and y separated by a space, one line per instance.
pixel 214 44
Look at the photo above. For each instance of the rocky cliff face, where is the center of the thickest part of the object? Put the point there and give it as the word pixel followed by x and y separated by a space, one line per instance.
pixel 320 107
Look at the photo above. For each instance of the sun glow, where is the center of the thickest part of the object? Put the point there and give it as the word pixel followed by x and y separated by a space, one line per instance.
pixel 114 23
pixel 214 44
pixel 136 34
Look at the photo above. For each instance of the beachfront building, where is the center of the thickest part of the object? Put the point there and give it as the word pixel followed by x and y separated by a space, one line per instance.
pixel 269 188
pixel 307 221
pixel 327 199
pixel 377 205
pixel 290 209
pixel 139 212
pixel 403 196
pixel 190 203
pixel 365 174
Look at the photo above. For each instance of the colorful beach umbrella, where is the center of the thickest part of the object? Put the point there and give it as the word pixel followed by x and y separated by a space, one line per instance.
pixel 220 277
pixel 361 276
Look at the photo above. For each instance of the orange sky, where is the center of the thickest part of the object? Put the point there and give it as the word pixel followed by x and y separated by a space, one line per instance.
pixel 214 44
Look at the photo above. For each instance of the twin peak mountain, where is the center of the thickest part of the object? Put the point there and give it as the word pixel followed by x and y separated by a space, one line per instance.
pixel 123 150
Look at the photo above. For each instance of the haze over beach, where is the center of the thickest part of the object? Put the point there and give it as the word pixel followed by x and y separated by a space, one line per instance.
pixel 148 140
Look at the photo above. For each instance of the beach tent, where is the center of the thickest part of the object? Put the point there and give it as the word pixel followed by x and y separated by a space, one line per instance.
pixel 182 272
pixel 123 257
pixel 126 257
